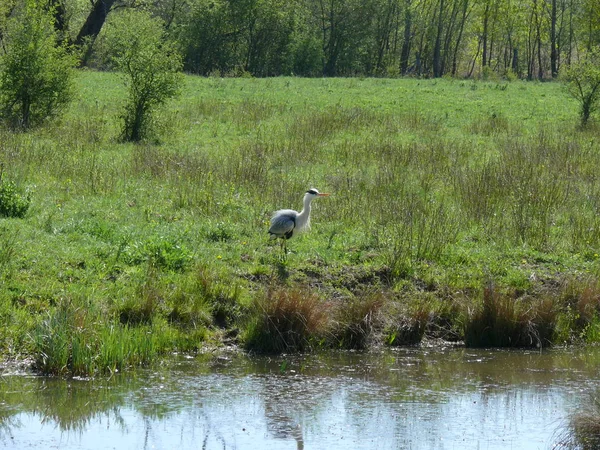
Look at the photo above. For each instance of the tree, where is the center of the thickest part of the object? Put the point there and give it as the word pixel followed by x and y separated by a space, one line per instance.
pixel 150 64
pixel 344 25
pixel 92 26
pixel 583 83
pixel 35 72
pixel 407 41
pixel 6 9
pixel 264 32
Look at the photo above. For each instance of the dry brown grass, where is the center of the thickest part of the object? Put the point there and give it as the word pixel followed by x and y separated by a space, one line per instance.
pixel 408 326
pixel 288 319
pixel 505 321
pixel 583 429
pixel 358 320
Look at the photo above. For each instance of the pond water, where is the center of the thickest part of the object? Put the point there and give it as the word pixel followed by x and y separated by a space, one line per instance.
pixel 417 398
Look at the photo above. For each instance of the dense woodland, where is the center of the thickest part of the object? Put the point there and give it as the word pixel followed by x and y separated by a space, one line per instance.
pixel 529 39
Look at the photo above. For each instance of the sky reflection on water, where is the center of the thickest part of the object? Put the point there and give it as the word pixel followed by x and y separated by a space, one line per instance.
pixel 393 399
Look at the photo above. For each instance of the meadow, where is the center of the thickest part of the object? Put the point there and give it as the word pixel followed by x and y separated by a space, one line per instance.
pixel 460 210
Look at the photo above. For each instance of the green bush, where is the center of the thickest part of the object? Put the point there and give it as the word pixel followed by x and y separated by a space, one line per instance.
pixel 35 72
pixel 583 83
pixel 136 45
pixel 12 203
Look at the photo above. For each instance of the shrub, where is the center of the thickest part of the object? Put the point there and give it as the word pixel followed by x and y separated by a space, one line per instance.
pixel 583 83
pixel 12 202
pixel 36 72
pixel 138 47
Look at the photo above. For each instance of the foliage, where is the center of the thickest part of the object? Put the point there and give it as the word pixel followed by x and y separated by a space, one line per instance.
pixel 583 83
pixel 35 72
pixel 251 36
pixel 12 202
pixel 483 39
pixel 138 47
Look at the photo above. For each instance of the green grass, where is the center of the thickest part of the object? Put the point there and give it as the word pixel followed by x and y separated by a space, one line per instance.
pixel 438 187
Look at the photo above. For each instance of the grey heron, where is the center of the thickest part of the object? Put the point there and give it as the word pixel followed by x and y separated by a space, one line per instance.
pixel 285 223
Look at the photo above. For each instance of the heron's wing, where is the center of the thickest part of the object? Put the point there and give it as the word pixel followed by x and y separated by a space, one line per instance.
pixel 283 222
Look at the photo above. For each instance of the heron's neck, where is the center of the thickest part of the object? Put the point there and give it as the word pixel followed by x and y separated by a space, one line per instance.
pixel 303 219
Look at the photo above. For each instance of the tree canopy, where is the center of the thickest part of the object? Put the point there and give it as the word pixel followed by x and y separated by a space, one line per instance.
pixel 532 39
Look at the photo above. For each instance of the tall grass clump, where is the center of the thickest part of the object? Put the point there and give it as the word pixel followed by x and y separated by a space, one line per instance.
pixel 422 229
pixel 65 340
pixel 583 429
pixel 358 321
pixel 503 321
pixel 203 298
pixel 517 195
pixel 408 325
pixel 287 319
pixel 580 308
pixel 76 340
pixel 125 346
pixel 8 246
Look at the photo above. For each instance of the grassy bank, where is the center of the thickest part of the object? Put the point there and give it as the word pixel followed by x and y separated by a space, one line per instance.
pixel 460 210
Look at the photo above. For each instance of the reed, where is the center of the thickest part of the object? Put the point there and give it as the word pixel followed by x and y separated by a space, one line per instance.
pixel 503 321
pixel 358 320
pixel 583 429
pixel 286 320
pixel 408 327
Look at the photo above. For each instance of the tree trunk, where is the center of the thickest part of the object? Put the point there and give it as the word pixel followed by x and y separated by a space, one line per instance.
pixel 93 24
pixel 571 32
pixel 539 51
pixel 465 14
pixel 553 52
pixel 437 57
pixel 384 32
pixel 451 29
pixel 484 38
pixel 531 42
pixel 407 39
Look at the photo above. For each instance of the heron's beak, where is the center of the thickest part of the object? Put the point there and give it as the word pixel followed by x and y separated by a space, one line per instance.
pixel 323 194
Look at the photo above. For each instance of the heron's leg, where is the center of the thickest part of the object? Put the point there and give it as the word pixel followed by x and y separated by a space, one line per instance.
pixel 282 248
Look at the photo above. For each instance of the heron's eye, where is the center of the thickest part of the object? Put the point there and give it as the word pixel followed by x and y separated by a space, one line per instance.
pixel 312 191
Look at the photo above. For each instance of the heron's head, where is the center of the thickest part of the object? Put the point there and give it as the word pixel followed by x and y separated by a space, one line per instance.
pixel 312 193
